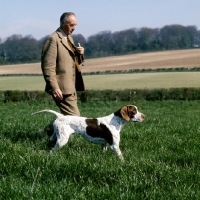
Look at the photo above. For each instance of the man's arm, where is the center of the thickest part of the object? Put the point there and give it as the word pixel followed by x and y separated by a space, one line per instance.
pixel 48 64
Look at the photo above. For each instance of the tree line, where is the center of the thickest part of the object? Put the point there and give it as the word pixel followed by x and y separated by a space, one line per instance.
pixel 18 49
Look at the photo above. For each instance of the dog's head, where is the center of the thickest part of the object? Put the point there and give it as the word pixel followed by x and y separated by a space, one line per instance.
pixel 130 113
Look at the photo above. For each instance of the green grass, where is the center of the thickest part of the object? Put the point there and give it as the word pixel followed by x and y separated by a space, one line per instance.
pixel 143 80
pixel 162 155
pixel 22 83
pixel 112 81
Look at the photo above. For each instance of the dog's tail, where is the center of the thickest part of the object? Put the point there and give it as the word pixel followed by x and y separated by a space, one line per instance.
pixel 50 111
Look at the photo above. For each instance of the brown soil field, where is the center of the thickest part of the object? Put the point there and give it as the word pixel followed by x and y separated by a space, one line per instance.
pixel 153 60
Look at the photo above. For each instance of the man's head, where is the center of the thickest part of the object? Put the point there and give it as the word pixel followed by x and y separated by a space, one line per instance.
pixel 68 22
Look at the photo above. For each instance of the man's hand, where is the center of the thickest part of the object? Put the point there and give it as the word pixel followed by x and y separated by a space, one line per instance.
pixel 80 49
pixel 57 94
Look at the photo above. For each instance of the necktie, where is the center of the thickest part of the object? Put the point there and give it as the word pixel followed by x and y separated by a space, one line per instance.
pixel 73 50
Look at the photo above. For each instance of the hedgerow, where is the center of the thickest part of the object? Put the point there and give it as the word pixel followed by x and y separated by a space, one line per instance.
pixel 108 95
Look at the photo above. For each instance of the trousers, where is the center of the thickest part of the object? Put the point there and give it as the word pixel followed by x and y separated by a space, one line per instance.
pixel 68 105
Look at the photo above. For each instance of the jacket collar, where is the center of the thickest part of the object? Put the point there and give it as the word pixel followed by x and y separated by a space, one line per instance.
pixel 63 38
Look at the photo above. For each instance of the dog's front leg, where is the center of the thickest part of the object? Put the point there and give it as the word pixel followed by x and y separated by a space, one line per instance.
pixel 59 136
pixel 116 149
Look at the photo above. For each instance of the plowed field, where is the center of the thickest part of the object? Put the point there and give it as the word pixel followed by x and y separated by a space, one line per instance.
pixel 153 60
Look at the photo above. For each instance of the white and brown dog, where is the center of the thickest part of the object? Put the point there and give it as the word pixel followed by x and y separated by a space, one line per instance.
pixel 101 130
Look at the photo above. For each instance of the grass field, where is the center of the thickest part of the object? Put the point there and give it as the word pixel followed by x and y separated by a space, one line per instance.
pixel 143 80
pixel 153 60
pixel 162 155
pixel 112 81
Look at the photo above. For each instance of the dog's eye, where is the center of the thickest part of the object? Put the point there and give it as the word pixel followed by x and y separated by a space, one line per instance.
pixel 131 114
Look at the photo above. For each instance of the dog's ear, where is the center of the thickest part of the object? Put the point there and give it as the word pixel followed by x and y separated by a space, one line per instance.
pixel 124 113
pixel 128 112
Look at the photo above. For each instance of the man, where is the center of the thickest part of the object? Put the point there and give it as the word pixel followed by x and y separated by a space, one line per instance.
pixel 60 63
pixel 60 66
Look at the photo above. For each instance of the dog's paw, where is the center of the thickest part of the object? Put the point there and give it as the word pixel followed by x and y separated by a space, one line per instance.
pixel 104 147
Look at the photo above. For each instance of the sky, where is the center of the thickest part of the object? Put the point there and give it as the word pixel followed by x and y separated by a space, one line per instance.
pixel 40 18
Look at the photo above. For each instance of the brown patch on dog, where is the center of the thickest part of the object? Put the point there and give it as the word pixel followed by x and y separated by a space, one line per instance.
pixel 100 131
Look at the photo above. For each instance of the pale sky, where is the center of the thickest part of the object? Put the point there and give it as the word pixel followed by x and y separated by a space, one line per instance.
pixel 40 18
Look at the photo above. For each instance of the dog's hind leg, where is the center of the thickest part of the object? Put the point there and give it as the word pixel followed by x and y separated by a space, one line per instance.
pixel 63 134
pixel 52 140
pixel 104 147
pixel 47 130
pixel 60 143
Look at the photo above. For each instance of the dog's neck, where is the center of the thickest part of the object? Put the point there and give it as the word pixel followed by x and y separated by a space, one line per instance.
pixel 114 122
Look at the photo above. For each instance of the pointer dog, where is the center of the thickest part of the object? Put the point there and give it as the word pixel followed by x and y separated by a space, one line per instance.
pixel 101 130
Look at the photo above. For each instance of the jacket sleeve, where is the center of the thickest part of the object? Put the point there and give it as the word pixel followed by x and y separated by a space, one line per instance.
pixel 48 63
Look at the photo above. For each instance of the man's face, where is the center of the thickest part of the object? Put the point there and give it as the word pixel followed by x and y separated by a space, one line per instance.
pixel 69 26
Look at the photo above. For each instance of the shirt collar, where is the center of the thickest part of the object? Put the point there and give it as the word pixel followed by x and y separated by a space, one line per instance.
pixel 65 35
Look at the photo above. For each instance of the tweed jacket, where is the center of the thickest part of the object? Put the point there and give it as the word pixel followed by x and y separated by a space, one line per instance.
pixel 58 67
